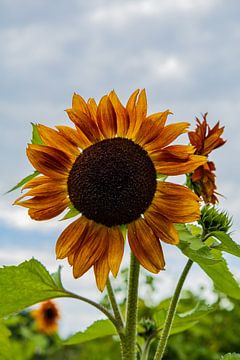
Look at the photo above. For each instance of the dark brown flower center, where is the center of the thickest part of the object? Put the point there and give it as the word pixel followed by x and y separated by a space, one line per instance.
pixel 112 182
pixel 49 314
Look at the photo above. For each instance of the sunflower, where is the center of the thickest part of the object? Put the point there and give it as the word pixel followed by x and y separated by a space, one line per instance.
pixel 108 168
pixel 205 140
pixel 46 316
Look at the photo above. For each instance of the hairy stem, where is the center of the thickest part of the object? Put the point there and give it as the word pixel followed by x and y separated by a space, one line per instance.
pixel 114 305
pixel 131 314
pixel 171 312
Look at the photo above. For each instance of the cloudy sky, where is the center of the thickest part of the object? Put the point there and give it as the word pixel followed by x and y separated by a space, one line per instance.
pixel 184 52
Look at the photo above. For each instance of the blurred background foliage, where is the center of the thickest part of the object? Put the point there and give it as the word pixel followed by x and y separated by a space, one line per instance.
pixel 200 331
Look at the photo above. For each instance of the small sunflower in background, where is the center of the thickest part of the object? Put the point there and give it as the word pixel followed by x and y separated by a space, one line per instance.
pixel 205 140
pixel 46 317
pixel 108 168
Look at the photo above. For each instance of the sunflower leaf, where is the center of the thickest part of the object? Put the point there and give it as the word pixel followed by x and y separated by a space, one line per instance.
pixel 57 277
pixel 24 285
pixel 221 276
pixel 36 138
pixel 98 329
pixel 24 181
pixel 227 243
pixel 182 321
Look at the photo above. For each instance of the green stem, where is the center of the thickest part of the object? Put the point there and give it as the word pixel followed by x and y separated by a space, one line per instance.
pixel 96 305
pixel 171 312
pixel 114 305
pixel 131 314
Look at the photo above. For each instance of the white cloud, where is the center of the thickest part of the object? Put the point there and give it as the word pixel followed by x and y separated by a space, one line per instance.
pixel 122 13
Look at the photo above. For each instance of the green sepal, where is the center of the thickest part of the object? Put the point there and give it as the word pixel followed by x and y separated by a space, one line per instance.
pixel 36 138
pixel 24 181
pixel 72 212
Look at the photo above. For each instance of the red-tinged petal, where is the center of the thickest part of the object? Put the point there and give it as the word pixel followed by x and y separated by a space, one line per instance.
pixel 168 134
pixel 86 125
pixel 121 114
pixel 174 166
pixel 176 202
pixel 48 212
pixel 141 113
pixel 55 139
pixel 49 161
pixel 73 235
pixel 76 136
pixel 106 118
pixel 145 246
pixel 162 227
pixel 115 249
pixel 91 250
pixel 101 271
pixel 80 105
pixel 131 111
pixel 151 128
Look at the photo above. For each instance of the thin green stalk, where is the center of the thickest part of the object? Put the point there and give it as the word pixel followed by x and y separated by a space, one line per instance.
pixel 131 314
pixel 114 305
pixel 171 312
pixel 96 305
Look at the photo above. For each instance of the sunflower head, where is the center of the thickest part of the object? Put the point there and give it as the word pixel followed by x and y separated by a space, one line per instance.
pixel 106 170
pixel 46 317
pixel 205 140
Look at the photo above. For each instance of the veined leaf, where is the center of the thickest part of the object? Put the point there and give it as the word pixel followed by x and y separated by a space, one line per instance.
pixel 182 321
pixel 227 243
pixel 221 276
pixel 24 181
pixel 98 329
pixel 25 285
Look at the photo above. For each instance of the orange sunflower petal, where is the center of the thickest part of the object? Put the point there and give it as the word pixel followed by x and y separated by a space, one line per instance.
pixel 92 106
pixel 145 246
pixel 39 180
pixel 49 161
pixel 92 248
pixel 55 139
pixel 137 111
pixel 176 202
pixel 79 104
pixel 115 249
pixel 121 114
pixel 73 235
pixel 86 125
pixel 168 134
pixel 101 271
pixel 76 136
pixel 106 118
pixel 162 227
pixel 151 127
pixel 47 213
pixel 167 164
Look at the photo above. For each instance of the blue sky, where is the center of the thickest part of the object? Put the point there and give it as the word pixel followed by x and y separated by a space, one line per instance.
pixel 184 52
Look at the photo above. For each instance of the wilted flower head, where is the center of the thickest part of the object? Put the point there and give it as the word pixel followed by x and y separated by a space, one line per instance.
pixel 46 316
pixel 205 140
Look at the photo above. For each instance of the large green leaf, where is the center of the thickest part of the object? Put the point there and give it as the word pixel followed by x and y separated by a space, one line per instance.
pixel 192 246
pixel 233 356
pixel 98 329
pixel 227 243
pixel 5 348
pixel 221 276
pixel 210 260
pixel 25 285
pixel 24 181
pixel 182 321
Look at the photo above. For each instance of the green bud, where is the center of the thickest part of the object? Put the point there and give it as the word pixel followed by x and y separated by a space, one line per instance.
pixel 148 326
pixel 213 219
